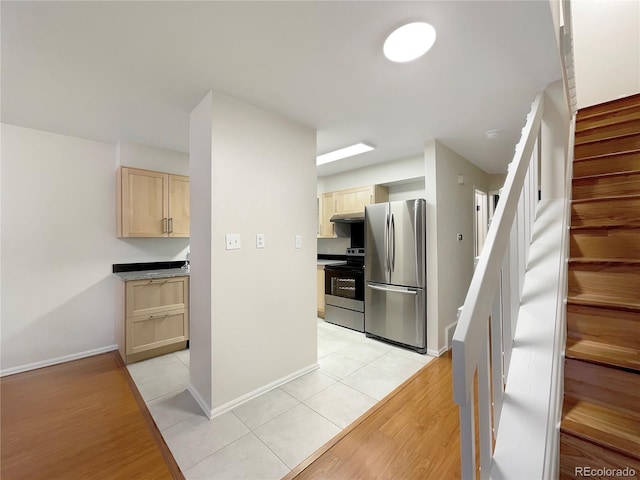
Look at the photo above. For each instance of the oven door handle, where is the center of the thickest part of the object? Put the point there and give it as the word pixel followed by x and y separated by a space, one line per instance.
pixel 404 290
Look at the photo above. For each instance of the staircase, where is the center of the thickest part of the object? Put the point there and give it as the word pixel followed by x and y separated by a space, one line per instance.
pixel 600 426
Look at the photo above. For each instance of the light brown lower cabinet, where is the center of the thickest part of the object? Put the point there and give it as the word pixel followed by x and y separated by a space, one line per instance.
pixel 321 291
pixel 154 318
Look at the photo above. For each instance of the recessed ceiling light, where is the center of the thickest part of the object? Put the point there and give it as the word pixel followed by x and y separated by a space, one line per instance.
pixel 491 134
pixel 409 42
pixel 343 153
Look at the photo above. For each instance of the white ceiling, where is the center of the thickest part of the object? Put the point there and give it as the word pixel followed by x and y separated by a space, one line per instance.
pixel 134 70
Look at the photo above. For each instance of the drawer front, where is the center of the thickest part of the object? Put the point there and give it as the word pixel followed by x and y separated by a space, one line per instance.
pixel 146 297
pixel 147 332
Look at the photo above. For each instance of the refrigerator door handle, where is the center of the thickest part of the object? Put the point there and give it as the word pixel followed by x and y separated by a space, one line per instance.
pixel 387 264
pixel 392 236
pixel 392 289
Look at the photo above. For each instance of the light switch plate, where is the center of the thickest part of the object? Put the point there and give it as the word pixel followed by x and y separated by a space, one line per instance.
pixel 233 241
pixel 259 240
pixel 298 241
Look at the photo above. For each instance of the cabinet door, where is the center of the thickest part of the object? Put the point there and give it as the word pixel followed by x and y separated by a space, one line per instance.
pixel 144 203
pixel 147 297
pixel 147 332
pixel 178 206
pixel 327 228
pixel 354 200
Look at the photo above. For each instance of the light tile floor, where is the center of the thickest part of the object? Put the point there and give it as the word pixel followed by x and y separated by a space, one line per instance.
pixel 266 437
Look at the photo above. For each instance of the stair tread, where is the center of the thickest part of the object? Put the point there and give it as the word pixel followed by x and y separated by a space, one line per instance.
pixel 605 261
pixel 608 427
pixel 612 197
pixel 608 118
pixel 591 300
pixel 603 353
pixel 607 155
pixel 582 228
pixel 606 175
pixel 607 132
pixel 611 106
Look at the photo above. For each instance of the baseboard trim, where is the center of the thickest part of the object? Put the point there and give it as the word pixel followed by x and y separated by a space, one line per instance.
pixel 436 353
pixel 214 412
pixel 57 360
pixel 206 409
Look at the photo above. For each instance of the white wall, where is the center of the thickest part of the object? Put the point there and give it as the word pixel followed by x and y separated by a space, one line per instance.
pixel 606 49
pixel 58 246
pixel 407 190
pixel 263 305
pixel 381 173
pixel 200 298
pixel 138 155
pixel 449 261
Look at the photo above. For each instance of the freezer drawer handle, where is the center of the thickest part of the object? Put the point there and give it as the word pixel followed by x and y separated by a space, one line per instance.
pixel 395 290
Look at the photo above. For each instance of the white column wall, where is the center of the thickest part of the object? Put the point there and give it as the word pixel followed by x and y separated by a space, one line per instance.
pixel 263 305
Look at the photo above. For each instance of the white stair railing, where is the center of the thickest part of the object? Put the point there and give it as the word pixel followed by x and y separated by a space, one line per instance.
pixel 483 339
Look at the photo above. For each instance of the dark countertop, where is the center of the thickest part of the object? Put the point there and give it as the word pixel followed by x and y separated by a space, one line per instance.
pixel 152 274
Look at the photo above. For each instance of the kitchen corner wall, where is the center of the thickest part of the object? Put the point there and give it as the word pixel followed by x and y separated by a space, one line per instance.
pixel 252 310
pixel 58 242
pixel 450 210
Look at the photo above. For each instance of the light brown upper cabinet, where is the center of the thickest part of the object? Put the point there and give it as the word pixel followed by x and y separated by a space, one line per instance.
pixel 354 200
pixel 152 204
pixel 327 210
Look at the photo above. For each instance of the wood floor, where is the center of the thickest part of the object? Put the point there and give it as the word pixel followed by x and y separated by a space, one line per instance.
pixel 411 434
pixel 82 420
pixel 79 420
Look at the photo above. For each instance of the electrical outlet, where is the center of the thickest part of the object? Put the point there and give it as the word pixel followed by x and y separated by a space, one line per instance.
pixel 233 241
pixel 259 240
pixel 298 241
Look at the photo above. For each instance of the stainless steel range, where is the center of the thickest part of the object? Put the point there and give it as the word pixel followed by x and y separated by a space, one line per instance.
pixel 344 291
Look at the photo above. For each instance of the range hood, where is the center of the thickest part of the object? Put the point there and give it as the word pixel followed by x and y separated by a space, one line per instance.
pixel 356 217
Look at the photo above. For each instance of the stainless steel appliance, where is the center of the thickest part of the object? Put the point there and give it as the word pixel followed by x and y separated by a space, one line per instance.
pixel 344 291
pixel 395 273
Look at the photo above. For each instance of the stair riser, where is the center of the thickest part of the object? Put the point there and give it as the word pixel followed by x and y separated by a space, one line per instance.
pixel 614 327
pixel 597 166
pixel 610 212
pixel 602 385
pixel 605 147
pixel 603 120
pixel 608 131
pixel 602 243
pixel 617 185
pixel 621 283
pixel 576 454
pixel 609 107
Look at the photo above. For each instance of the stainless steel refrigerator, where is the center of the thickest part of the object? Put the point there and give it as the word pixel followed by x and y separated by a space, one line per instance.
pixel 395 273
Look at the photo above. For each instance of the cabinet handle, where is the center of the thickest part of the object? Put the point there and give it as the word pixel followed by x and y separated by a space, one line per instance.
pixel 170 224
pixel 159 281
pixel 370 199
pixel 165 225
pixel 160 315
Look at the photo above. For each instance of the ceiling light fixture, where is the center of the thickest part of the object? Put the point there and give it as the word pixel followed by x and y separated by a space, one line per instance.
pixel 492 134
pixel 343 153
pixel 409 42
